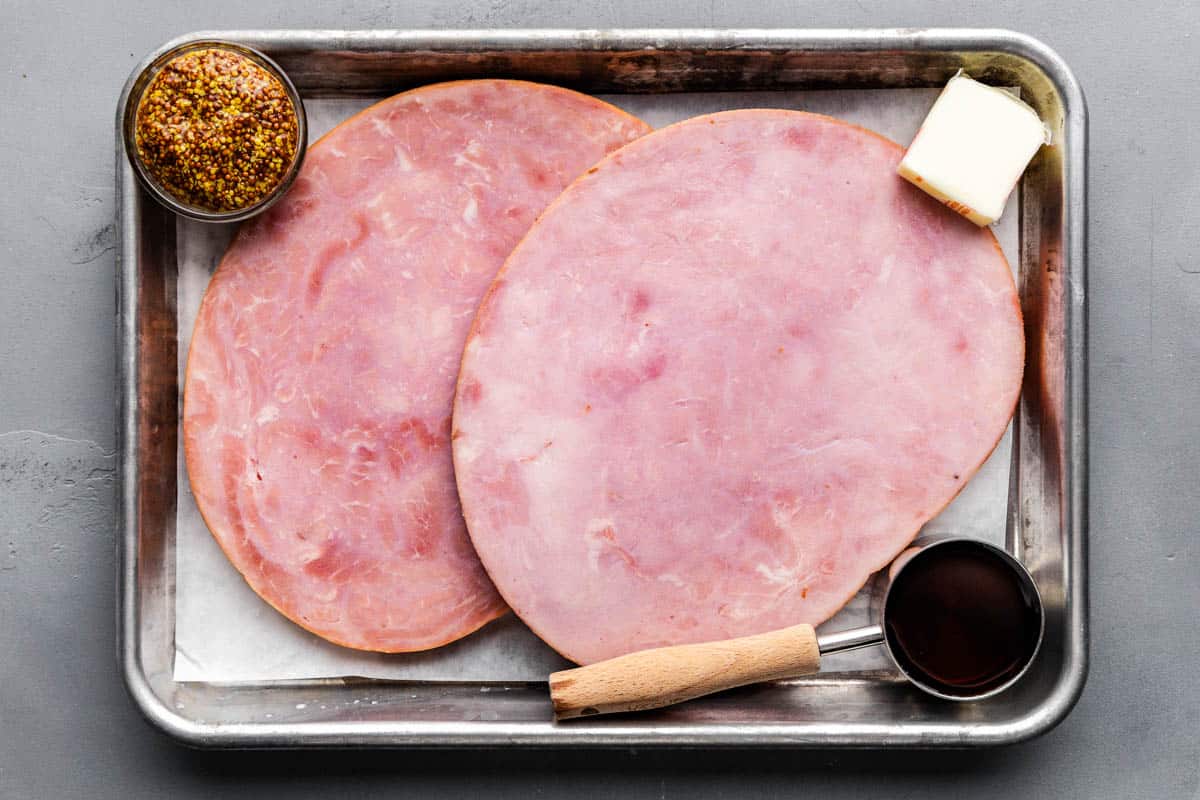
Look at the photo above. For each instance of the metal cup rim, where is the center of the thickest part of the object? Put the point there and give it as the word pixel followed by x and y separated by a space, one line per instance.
pixel 131 99
pixel 1022 573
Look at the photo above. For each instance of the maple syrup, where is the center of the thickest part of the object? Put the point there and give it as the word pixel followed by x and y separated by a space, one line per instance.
pixel 962 619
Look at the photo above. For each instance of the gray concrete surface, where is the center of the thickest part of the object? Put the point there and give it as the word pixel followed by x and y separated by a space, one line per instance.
pixel 67 728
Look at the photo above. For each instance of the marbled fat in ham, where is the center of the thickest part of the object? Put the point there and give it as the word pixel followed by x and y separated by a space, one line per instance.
pixel 321 373
pixel 727 375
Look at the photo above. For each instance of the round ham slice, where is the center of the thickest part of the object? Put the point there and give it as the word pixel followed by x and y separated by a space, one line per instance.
pixel 321 373
pixel 726 376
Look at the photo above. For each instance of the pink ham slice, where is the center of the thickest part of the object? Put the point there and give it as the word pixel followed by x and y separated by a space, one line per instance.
pixel 727 375
pixel 321 373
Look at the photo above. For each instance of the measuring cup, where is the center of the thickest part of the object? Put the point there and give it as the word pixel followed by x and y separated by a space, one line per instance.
pixel 960 618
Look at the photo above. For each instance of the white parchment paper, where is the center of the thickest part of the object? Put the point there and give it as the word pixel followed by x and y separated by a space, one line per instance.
pixel 224 633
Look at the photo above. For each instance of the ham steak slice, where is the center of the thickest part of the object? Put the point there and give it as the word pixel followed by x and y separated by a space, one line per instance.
pixel 726 376
pixel 321 374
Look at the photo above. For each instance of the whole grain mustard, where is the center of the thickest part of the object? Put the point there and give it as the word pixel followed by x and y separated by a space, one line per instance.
pixel 216 130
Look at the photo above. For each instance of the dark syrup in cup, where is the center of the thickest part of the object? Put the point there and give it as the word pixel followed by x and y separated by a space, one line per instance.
pixel 962 620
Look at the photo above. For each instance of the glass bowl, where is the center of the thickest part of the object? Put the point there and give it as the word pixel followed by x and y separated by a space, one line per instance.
pixel 156 190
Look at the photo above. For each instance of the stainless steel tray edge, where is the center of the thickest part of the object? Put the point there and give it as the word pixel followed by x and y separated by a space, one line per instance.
pixel 179 710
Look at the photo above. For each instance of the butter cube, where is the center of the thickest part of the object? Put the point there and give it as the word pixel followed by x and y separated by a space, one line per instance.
pixel 973 147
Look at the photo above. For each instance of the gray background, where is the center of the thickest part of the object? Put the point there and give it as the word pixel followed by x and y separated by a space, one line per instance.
pixel 67 728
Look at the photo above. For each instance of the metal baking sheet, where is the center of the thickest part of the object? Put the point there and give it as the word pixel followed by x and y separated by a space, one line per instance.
pixel 487 690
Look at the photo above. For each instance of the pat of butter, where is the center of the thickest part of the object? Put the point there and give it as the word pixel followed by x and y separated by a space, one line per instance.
pixel 973 147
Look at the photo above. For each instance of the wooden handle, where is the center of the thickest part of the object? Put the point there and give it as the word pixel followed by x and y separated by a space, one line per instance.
pixel 668 675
